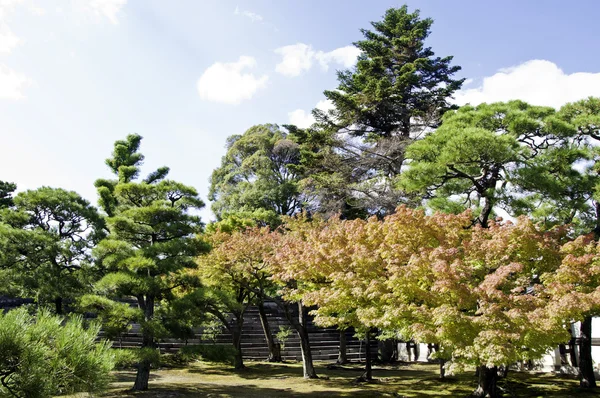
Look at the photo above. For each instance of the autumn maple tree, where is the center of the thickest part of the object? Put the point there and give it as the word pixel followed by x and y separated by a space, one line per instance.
pixel 235 275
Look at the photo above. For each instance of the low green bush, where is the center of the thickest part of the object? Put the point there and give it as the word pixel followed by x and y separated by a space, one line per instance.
pixel 212 353
pixel 45 355
pixel 126 358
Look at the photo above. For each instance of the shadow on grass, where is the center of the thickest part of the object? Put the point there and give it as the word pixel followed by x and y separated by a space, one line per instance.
pixel 525 384
pixel 261 379
pixel 214 390
pixel 126 376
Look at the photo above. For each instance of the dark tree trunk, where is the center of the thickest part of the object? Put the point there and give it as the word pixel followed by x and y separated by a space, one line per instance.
pixel 142 376
pixel 586 366
pixel 368 375
pixel 342 354
pixel 58 305
pixel 238 360
pixel 301 328
pixel 487 383
pixel 236 337
pixel 388 350
pixel 485 212
pixel 274 349
pixel 143 369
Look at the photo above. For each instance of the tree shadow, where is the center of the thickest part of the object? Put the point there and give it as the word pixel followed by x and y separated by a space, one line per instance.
pixel 125 376
pixel 214 390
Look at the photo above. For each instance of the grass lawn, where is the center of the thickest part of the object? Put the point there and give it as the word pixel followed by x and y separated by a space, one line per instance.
pixel 260 379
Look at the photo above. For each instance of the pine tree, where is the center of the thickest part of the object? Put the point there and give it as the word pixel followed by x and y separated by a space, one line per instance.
pixel 152 240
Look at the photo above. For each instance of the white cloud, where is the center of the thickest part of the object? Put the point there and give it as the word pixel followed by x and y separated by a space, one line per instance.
pixel 35 10
pixel 227 83
pixel 298 58
pixel 12 83
pixel 538 82
pixel 345 56
pixel 8 40
pixel 108 8
pixel 304 119
pixel 248 14
pixel 7 5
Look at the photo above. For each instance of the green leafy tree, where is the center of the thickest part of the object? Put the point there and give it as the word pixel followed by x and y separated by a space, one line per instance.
pixel 476 157
pixel 152 241
pixel 46 239
pixel 45 356
pixel 256 178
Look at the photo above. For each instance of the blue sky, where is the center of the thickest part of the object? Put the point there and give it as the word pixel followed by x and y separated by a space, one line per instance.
pixel 77 75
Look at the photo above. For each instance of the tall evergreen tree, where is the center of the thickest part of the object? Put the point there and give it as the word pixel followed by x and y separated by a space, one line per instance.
pixel 398 91
pixel 152 241
pixel 398 83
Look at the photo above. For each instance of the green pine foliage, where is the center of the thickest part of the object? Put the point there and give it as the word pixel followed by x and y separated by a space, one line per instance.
pixel 44 355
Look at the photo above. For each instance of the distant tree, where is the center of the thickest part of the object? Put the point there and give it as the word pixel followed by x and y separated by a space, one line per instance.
pixel 45 356
pixel 6 193
pixel 256 178
pixel 46 237
pixel 152 241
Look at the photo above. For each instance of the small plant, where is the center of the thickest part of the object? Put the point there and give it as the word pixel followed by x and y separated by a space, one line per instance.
pixel 211 330
pixel 283 335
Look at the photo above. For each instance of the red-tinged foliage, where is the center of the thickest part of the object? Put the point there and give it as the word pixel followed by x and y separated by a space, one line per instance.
pixel 475 291
pixel 575 285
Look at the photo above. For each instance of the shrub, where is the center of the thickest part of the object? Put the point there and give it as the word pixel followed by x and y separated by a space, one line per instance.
pixel 212 353
pixel 45 355
pixel 126 358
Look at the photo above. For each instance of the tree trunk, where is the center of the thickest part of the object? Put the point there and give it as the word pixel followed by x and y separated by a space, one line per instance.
pixel 342 357
pixel 142 376
pixel 58 305
pixel 301 329
pixel 485 212
pixel 143 368
pixel 274 349
pixel 586 366
pixel 238 360
pixel 487 383
pixel 388 350
pixel 368 375
pixel 300 326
